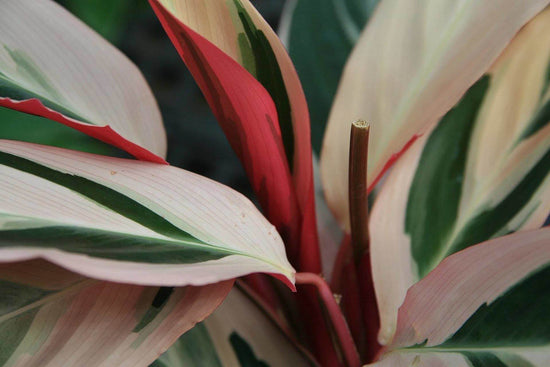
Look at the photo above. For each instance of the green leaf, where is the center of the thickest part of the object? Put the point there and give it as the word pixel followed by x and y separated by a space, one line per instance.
pixel 438 180
pixel 194 348
pixel 244 352
pixel 515 318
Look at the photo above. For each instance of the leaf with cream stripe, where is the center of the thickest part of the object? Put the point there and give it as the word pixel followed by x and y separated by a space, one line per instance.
pixel 52 317
pixel 237 29
pixel 411 65
pixel 484 306
pixel 241 332
pixel 253 90
pixel 474 177
pixel 54 66
pixel 129 221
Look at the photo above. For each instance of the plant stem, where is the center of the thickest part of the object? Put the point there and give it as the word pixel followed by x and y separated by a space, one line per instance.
pixel 337 319
pixel 359 227
pixel 357 188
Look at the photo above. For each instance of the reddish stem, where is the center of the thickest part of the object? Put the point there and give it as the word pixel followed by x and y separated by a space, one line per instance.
pixel 357 188
pixel 369 307
pixel 318 335
pixel 358 298
pixel 337 319
pixel 342 258
pixel 345 283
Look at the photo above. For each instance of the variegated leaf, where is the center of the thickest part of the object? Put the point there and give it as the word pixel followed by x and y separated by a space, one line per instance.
pixel 484 306
pixel 51 317
pixel 240 332
pixel 237 29
pixel 411 65
pixel 252 87
pixel 483 172
pixel 53 65
pixel 129 221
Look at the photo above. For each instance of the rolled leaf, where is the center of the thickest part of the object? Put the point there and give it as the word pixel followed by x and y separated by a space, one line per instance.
pixel 241 332
pixel 320 36
pixel 412 64
pixel 252 87
pixel 237 29
pixel 52 317
pixel 484 306
pixel 129 221
pixel 475 177
pixel 54 66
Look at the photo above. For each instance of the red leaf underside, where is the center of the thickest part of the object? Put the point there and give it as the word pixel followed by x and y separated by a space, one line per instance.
pixel 248 117
pixel 104 133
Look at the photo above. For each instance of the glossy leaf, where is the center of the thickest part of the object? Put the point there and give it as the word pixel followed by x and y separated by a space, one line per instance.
pixel 320 36
pixel 254 92
pixel 484 306
pixel 52 317
pixel 239 333
pixel 475 177
pixel 411 65
pixel 81 81
pixel 129 221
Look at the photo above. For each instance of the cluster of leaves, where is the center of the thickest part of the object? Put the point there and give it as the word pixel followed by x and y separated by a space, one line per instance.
pixel 107 261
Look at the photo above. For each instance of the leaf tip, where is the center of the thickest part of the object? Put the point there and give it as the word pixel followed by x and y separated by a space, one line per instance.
pixel 288 279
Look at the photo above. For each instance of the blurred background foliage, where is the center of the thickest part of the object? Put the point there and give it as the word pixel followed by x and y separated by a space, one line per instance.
pixel 322 33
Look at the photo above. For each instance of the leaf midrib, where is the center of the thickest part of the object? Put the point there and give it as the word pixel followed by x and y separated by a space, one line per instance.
pixel 168 240
pixel 471 349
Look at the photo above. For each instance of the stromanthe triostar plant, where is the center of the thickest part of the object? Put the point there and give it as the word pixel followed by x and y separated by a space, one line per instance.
pixel 108 261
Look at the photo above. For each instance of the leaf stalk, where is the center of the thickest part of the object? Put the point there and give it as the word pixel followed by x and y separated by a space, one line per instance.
pixel 336 318
pixel 357 188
